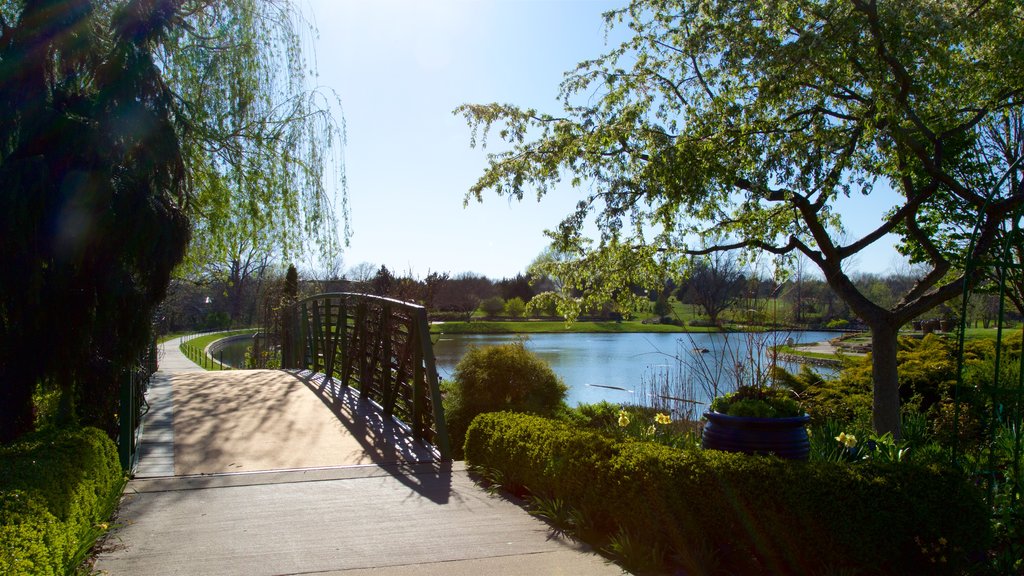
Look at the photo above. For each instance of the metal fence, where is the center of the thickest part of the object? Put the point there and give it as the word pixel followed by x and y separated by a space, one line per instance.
pixel 198 354
pixel 377 345
pixel 134 382
pixel 988 413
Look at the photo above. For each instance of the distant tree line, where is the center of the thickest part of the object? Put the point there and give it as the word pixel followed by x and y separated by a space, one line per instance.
pixel 717 292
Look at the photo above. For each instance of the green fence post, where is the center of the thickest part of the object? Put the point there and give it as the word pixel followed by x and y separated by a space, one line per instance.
pixel 430 367
pixel 126 423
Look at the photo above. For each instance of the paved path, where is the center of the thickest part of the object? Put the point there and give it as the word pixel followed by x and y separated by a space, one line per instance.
pixel 256 473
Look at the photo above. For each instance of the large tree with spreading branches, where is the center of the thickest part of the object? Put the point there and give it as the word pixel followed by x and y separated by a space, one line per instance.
pixel 750 120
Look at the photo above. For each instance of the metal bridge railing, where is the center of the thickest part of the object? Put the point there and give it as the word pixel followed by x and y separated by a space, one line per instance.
pixel 377 345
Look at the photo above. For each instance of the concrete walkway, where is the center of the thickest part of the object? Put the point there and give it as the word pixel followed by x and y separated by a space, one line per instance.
pixel 262 473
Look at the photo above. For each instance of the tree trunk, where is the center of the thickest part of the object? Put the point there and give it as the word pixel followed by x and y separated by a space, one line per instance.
pixel 885 412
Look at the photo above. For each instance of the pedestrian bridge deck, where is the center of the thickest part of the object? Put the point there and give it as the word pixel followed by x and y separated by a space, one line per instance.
pixel 261 472
pixel 248 420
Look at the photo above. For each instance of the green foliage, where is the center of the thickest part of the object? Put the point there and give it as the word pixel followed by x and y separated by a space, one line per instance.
pixel 599 416
pixel 92 202
pixel 927 380
pixel 493 378
pixel 627 423
pixel 492 306
pixel 126 126
pixel 721 125
pixel 825 443
pixel 758 402
pixel 751 515
pixel 551 327
pixel 562 518
pixel 266 148
pixel 662 307
pixel 515 307
pixel 57 489
pixel 543 304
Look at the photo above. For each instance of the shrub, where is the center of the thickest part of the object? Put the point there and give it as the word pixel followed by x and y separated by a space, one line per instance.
pixel 598 416
pixel 494 378
pixel 492 306
pixel 515 307
pixel 55 487
pixel 757 514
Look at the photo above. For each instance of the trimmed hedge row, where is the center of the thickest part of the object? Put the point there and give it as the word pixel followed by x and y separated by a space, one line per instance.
pixel 55 487
pixel 759 514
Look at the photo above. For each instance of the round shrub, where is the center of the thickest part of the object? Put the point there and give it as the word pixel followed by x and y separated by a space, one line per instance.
pixel 499 378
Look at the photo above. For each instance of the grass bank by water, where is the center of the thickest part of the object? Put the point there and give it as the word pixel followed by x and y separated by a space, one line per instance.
pixel 547 327
pixel 193 348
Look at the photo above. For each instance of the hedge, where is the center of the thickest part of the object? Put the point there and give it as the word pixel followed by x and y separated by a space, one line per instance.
pixel 55 488
pixel 760 514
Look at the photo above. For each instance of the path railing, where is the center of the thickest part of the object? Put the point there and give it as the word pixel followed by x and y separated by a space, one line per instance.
pixel 134 381
pixel 198 354
pixel 377 345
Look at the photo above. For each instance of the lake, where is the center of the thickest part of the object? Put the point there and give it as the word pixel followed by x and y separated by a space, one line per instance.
pixel 622 368
pixel 619 368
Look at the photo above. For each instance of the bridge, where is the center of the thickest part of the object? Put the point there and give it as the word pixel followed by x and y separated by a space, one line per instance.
pixel 299 471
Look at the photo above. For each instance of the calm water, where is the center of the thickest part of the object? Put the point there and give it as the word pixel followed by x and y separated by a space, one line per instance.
pixel 614 367
pixel 234 353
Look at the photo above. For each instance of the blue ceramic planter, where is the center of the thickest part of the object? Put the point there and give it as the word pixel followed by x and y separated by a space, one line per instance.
pixel 783 437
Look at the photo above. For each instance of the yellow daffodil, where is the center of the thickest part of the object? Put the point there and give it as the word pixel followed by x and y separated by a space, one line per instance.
pixel 848 440
pixel 662 418
pixel 623 419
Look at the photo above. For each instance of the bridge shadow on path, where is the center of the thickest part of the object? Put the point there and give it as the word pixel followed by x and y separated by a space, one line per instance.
pixel 281 473
pixel 383 439
pixel 244 421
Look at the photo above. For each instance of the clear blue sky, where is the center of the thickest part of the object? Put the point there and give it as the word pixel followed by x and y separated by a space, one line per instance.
pixel 400 67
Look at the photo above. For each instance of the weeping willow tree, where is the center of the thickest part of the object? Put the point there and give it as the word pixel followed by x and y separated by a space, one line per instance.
pixel 128 126
pixel 265 149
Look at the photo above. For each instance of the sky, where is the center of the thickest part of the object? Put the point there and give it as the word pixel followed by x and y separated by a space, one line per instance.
pixel 400 67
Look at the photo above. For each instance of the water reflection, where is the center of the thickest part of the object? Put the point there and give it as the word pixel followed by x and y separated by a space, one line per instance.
pixel 233 353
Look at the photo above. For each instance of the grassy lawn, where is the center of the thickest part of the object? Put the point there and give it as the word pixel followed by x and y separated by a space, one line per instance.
pixel 982 333
pixel 528 327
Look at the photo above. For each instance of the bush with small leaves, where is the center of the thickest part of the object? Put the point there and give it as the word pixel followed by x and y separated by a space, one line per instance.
pixel 496 378
pixel 750 514
pixel 56 486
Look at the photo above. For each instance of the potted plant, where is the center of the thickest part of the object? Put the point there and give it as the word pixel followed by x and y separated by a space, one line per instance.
pixel 758 420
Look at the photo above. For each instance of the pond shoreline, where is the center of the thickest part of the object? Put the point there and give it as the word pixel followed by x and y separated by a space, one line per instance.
pixel 593 327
